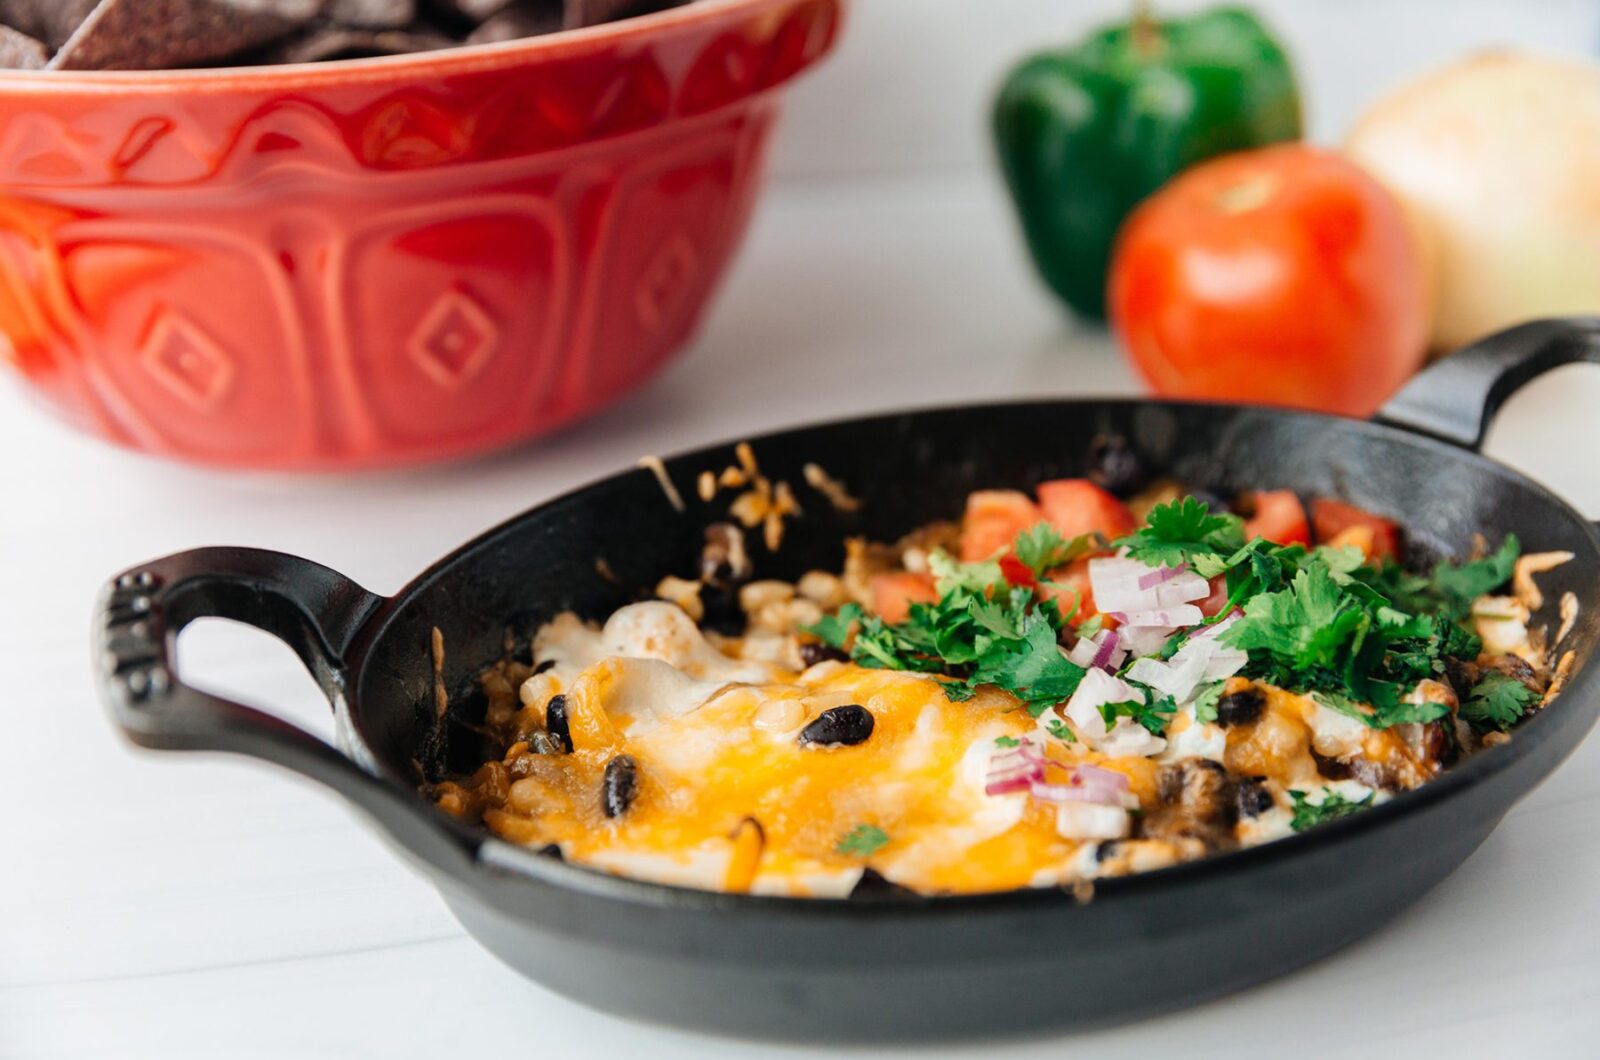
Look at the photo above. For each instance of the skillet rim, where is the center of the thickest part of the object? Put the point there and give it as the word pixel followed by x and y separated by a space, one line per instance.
pixel 489 854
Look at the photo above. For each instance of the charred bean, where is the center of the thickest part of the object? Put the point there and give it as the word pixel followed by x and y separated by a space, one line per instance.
pixel 619 785
pixel 812 653
pixel 1252 797
pixel 838 727
pixel 1240 708
pixel 556 723
pixel 1331 768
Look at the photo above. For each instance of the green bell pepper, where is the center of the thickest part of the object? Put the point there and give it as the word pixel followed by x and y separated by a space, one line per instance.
pixel 1083 134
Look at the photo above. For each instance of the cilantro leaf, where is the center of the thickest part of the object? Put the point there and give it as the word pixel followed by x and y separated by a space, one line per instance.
pixel 1007 741
pixel 1205 704
pixel 951 575
pixel 1033 669
pixel 1332 807
pixel 1181 531
pixel 1058 728
pixel 1459 585
pixel 862 841
pixel 834 629
pixel 1496 702
pixel 1041 549
pixel 1153 715
pixel 1306 625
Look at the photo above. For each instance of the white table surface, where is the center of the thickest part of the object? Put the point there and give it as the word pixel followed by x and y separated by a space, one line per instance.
pixel 175 907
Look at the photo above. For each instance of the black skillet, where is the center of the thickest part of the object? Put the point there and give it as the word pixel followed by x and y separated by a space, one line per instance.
pixel 886 965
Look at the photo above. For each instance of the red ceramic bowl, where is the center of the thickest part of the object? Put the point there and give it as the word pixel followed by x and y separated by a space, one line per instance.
pixel 387 260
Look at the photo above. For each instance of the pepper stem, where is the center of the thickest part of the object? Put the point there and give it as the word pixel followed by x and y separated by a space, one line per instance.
pixel 1145 34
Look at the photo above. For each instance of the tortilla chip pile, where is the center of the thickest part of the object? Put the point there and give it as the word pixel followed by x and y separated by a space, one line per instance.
pixel 162 34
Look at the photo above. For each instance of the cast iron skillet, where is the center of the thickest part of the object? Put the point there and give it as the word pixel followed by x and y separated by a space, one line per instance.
pixel 886 965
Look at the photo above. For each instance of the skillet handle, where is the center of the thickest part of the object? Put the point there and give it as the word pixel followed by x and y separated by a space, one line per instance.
pixel 1456 399
pixel 315 610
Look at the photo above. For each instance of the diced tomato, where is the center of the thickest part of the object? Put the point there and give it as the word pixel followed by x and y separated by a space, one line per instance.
pixel 1334 521
pixel 1071 588
pixel 1213 604
pixel 1017 572
pixel 1077 506
pixel 993 520
pixel 1279 517
pixel 893 594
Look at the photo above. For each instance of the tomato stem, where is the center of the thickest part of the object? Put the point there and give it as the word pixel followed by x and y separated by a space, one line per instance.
pixel 1144 32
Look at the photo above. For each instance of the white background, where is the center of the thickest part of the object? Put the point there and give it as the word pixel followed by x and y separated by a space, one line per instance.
pixel 176 906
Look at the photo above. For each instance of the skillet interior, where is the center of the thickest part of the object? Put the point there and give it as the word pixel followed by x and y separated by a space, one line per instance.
pixel 771 965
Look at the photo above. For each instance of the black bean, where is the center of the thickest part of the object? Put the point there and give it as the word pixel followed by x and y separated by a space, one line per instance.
pixel 556 723
pixel 1252 797
pixel 839 727
pixel 1240 708
pixel 812 653
pixel 1331 768
pixel 553 851
pixel 1114 465
pixel 1106 850
pixel 619 785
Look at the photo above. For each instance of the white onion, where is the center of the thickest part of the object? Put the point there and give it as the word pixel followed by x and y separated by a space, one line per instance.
pixel 1180 615
pixel 1103 650
pixel 1087 820
pixel 1097 688
pixel 1182 590
pixel 1143 640
pixel 1129 739
pixel 1158 575
pixel 1200 661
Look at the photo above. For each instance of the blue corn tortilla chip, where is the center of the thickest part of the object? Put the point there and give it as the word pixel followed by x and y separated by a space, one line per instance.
pixel 18 51
pixel 159 34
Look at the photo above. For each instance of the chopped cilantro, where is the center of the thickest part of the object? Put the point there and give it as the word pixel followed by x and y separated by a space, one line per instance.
pixel 1007 741
pixel 1205 704
pixel 1460 585
pixel 1184 531
pixel 862 841
pixel 1307 625
pixel 1153 715
pixel 1332 807
pixel 834 629
pixel 1496 702
pixel 1058 728
pixel 979 632
pixel 1041 549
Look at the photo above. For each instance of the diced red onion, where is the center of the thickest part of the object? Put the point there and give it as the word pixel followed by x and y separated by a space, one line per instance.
pixel 1007 785
pixel 1099 774
pixel 1108 647
pixel 1161 574
pixel 1184 589
pixel 1181 615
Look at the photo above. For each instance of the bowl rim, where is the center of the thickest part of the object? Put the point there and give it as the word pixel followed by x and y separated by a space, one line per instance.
pixel 441 62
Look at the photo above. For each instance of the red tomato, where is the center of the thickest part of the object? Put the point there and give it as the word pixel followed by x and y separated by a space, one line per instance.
pixel 1077 506
pixel 1339 523
pixel 1279 517
pixel 1285 276
pixel 893 594
pixel 1213 604
pixel 1015 571
pixel 993 520
pixel 1071 589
